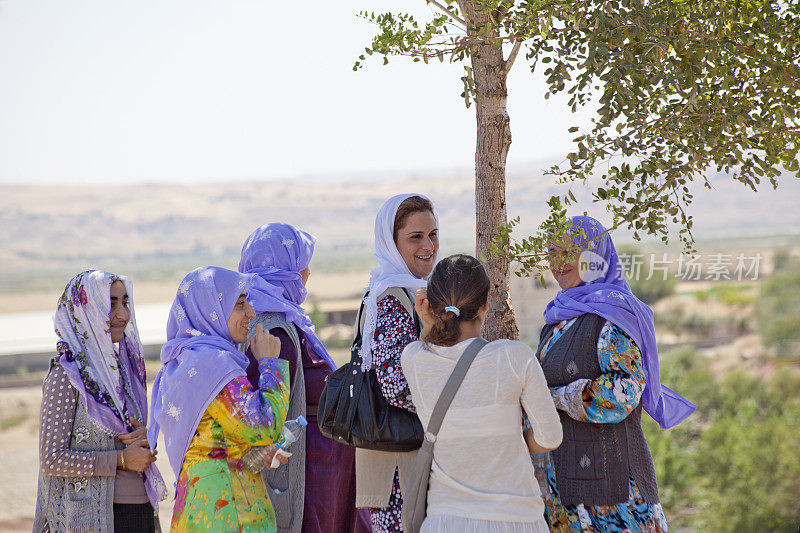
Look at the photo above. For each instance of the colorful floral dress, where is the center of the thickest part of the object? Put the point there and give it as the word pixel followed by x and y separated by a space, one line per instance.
pixel 607 399
pixel 215 491
pixel 395 330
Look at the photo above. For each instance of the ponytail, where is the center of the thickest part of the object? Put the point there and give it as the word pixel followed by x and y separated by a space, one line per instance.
pixel 460 284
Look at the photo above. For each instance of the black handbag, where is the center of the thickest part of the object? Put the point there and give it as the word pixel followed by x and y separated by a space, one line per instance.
pixel 353 411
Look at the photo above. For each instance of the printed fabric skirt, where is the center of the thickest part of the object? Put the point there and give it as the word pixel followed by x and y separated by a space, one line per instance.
pixel 635 515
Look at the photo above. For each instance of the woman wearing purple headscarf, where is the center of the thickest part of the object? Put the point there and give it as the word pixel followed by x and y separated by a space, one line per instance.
pixel 599 356
pixel 207 409
pixel 96 466
pixel 316 491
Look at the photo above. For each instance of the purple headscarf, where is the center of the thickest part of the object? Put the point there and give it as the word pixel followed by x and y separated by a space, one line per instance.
pixel 103 379
pixel 605 292
pixel 199 357
pixel 277 253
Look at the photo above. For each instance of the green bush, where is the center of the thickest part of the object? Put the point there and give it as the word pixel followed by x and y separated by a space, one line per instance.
pixel 732 465
pixel 781 261
pixel 318 318
pixel 728 294
pixel 735 294
pixel 778 313
pixel 676 320
pixel 647 290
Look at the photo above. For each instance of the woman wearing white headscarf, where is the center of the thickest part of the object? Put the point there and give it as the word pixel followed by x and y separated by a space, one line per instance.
pixel 406 246
pixel 96 465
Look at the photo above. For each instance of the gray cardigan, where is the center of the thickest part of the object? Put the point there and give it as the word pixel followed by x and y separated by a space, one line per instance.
pixel 286 485
pixel 82 503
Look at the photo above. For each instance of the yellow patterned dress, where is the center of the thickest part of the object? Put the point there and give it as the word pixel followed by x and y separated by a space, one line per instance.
pixel 215 491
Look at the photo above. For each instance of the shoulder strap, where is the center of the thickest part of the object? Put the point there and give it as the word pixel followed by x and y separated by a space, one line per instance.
pixel 452 386
pixel 406 300
pixel 403 296
pixel 359 325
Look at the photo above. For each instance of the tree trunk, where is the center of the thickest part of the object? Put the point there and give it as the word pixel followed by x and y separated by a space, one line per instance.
pixel 493 142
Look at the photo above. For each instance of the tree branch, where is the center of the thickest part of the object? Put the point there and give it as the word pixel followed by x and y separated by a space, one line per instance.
pixel 512 56
pixel 448 12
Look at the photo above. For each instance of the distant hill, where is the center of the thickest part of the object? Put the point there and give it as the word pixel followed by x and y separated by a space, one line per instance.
pixel 165 227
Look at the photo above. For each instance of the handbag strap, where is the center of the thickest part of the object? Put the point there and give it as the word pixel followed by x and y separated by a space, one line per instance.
pixel 357 339
pixel 415 317
pixel 452 386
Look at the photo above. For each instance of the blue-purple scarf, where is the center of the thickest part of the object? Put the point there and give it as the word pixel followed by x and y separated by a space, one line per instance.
pixel 199 357
pixel 605 292
pixel 277 253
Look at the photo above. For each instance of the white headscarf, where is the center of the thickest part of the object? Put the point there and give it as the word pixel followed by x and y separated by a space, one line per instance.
pixel 391 271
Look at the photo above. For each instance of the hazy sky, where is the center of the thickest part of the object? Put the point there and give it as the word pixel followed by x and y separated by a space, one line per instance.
pixel 169 90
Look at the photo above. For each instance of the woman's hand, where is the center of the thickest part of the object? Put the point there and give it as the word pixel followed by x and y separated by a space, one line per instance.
pixel 264 345
pixel 137 434
pixel 270 454
pixel 423 309
pixel 137 456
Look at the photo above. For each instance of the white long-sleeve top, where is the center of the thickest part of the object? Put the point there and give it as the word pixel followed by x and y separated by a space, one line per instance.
pixel 482 468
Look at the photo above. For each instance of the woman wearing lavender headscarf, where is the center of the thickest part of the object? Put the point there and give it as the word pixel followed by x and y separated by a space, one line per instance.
pixel 209 412
pixel 599 356
pixel 96 466
pixel 316 491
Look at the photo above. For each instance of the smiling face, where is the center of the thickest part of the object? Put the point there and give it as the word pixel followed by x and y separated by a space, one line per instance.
pixel 563 257
pixel 418 242
pixel 239 321
pixel 120 314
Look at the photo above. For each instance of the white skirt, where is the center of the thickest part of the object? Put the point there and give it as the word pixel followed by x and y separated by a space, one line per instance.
pixel 459 524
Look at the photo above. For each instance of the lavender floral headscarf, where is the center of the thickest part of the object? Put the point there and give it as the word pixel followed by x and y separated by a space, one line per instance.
pixel 605 292
pixel 199 357
pixel 277 253
pixel 103 379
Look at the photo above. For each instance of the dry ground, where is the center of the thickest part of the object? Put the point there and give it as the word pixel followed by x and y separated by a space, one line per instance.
pixel 19 437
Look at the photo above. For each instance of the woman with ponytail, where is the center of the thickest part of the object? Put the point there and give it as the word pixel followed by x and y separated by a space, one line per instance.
pixel 481 478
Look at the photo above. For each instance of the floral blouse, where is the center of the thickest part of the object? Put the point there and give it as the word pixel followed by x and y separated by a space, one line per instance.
pixel 606 399
pixel 612 396
pixel 215 491
pixel 394 331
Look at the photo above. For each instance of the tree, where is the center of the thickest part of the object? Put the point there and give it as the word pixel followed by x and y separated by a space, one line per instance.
pixel 680 89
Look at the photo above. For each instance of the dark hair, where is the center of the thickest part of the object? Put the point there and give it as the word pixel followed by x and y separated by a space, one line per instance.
pixel 409 206
pixel 460 281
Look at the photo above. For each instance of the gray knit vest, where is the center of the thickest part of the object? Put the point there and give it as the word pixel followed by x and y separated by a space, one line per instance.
pixel 286 485
pixel 83 504
pixel 594 460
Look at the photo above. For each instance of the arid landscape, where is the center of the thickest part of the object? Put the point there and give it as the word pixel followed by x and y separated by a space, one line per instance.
pixel 156 233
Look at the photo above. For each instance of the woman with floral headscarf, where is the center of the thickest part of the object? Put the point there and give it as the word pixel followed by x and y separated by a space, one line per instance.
pixel 599 356
pixel 209 412
pixel 96 464
pixel 316 490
